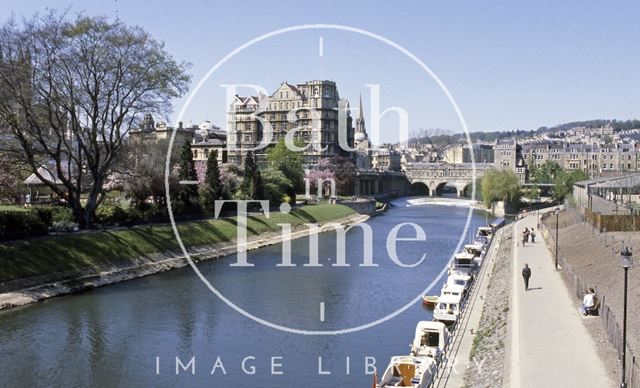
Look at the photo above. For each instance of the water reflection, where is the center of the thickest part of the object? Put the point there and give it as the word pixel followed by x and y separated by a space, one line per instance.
pixel 111 336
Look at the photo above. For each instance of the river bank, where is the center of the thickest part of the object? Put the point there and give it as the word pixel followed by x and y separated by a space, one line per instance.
pixel 487 354
pixel 86 261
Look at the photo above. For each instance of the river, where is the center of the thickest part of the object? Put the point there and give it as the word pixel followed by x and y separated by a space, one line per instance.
pixel 130 334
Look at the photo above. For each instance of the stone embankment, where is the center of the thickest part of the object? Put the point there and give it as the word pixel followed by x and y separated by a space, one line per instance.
pixel 152 264
pixel 487 356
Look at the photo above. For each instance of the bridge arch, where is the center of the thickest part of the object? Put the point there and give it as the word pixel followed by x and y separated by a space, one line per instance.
pixel 436 175
pixel 419 188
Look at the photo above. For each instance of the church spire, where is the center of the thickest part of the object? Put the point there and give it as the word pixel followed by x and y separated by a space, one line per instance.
pixel 361 131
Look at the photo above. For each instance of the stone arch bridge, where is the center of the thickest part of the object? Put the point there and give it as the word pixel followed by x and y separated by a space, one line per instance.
pixel 436 175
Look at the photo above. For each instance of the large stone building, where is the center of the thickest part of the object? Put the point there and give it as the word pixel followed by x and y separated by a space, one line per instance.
pixel 463 153
pixel 508 155
pixel 594 159
pixel 311 108
pixel 209 138
pixel 386 159
pixel 150 131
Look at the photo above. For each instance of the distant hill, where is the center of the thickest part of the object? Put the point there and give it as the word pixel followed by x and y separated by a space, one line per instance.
pixel 441 137
pixel 618 125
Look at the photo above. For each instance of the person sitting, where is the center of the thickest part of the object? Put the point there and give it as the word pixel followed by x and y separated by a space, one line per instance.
pixel 588 302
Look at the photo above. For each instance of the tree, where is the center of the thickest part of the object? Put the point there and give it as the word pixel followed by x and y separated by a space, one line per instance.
pixel 11 177
pixel 140 173
pixel 564 181
pixel 71 89
pixel 188 195
pixel 533 193
pixel 276 186
pixel 546 173
pixel 252 185
pixel 343 171
pixel 500 185
pixel 289 162
pixel 211 189
pixel 322 171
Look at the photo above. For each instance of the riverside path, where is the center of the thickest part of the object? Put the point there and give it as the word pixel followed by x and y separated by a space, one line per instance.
pixel 549 345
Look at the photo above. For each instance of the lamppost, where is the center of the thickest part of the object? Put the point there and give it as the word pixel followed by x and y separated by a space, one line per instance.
pixel 556 211
pixel 626 260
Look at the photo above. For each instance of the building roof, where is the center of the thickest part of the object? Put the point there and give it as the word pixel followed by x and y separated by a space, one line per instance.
pixel 34 180
pixel 209 142
pixel 615 181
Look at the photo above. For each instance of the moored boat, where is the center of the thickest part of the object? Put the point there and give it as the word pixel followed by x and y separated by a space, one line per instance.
pixel 431 339
pixel 460 279
pixel 477 250
pixel 409 371
pixel 485 231
pixel 454 289
pixel 430 301
pixel 498 223
pixel 463 262
pixel 448 309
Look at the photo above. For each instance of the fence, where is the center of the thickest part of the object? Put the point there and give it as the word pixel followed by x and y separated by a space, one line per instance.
pixel 608 318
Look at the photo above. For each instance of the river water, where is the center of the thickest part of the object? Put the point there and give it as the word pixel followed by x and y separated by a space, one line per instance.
pixel 130 334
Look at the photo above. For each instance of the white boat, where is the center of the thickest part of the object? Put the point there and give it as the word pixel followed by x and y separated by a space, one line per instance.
pixel 460 279
pixel 463 262
pixel 483 240
pixel 448 309
pixel 453 289
pixel 409 371
pixel 477 250
pixel 431 340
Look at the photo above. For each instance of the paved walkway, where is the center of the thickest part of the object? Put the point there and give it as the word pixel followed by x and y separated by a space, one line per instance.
pixel 549 344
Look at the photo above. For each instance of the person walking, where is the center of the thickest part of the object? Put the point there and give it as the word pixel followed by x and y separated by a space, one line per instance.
pixel 525 237
pixel 533 236
pixel 526 274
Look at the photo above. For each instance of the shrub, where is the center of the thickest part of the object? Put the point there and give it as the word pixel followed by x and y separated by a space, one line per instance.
pixel 64 226
pixel 15 225
pixel 45 214
pixel 62 213
pixel 110 214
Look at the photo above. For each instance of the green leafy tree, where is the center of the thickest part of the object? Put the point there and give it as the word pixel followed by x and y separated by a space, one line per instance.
pixel 211 189
pixel 533 193
pixel 276 186
pixel 546 173
pixel 187 172
pixel 500 185
pixel 564 181
pixel 289 162
pixel 252 184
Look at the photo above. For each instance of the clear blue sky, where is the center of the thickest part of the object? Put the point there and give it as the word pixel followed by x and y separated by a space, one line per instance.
pixel 509 64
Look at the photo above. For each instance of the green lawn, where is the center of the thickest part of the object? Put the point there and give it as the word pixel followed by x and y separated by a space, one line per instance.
pixel 13 208
pixel 118 247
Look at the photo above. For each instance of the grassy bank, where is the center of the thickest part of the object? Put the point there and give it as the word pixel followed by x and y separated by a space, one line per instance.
pixel 100 250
